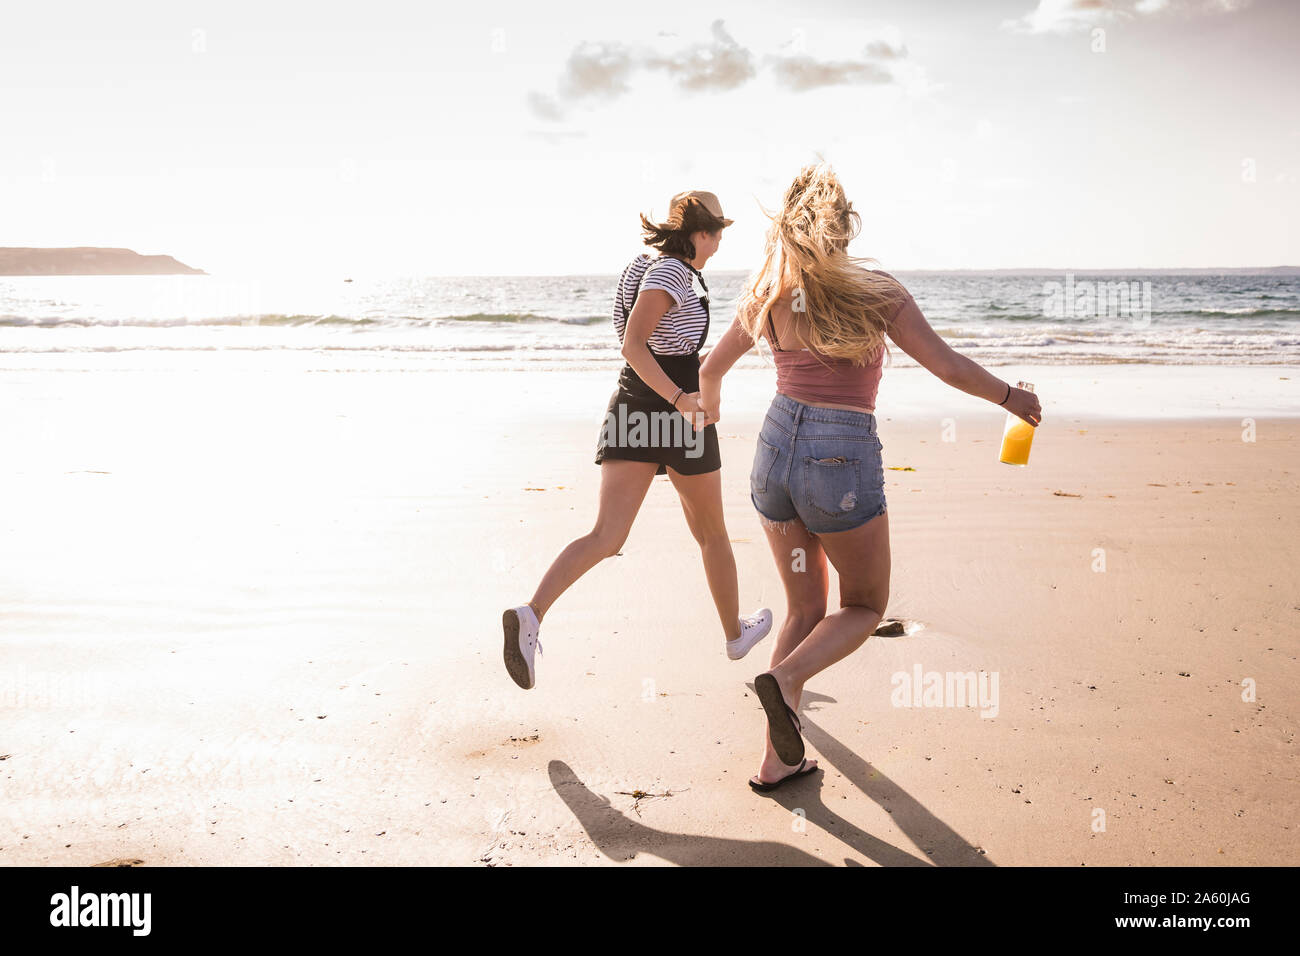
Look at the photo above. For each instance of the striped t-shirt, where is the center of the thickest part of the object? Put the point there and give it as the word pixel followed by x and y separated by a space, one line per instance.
pixel 682 329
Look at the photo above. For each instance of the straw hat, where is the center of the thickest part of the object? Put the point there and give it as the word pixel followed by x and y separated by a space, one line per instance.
pixel 708 200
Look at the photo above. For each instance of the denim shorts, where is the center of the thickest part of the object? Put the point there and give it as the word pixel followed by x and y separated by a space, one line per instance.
pixel 821 466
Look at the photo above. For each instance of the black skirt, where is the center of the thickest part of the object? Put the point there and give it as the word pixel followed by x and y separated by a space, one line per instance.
pixel 639 425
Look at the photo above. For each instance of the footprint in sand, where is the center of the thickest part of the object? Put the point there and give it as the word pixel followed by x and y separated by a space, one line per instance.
pixel 525 740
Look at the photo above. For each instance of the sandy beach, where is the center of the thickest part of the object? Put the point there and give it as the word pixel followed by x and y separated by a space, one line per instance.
pixel 253 616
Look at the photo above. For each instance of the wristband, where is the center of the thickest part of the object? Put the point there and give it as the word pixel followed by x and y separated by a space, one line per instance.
pixel 1004 401
pixel 680 393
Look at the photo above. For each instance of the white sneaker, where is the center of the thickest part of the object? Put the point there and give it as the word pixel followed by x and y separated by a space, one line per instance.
pixel 521 627
pixel 752 630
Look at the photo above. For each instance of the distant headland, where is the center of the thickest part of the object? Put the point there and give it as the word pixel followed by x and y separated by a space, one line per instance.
pixel 88 261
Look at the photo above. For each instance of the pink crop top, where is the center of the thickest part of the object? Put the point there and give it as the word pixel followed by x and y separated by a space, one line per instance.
pixel 810 377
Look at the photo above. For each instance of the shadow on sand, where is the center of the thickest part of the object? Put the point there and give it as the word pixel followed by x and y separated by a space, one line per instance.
pixel 620 837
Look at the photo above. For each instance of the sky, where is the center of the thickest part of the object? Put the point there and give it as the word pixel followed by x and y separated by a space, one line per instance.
pixel 501 138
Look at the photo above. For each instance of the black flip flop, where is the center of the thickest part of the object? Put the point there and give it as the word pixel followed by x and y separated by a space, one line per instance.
pixel 761 787
pixel 782 722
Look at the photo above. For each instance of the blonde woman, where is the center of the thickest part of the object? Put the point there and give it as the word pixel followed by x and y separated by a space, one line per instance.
pixel 817 479
pixel 661 323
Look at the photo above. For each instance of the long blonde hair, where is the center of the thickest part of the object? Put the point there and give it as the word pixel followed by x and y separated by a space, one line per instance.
pixel 847 307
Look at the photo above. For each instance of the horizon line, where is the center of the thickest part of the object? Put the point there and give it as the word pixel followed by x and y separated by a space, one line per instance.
pixel 1005 270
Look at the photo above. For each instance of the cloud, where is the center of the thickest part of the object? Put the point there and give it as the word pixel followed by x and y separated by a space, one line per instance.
pixel 721 65
pixel 545 106
pixel 1064 16
pixel 597 70
pixel 601 71
pixel 882 50
pixel 802 73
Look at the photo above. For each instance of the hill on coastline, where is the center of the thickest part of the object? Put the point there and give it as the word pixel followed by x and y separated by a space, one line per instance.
pixel 88 261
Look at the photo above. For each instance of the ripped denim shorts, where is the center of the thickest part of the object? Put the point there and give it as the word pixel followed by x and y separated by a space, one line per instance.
pixel 821 466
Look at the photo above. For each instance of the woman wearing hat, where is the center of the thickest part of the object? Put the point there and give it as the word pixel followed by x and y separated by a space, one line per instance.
pixel 654 425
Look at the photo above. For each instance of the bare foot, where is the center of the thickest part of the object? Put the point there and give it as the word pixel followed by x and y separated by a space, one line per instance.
pixel 791 691
pixel 772 770
pixel 784 729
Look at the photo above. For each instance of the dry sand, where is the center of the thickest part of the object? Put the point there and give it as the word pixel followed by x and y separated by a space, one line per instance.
pixel 254 618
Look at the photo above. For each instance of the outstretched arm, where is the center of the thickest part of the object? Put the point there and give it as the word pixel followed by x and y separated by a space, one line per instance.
pixel 910 331
pixel 734 343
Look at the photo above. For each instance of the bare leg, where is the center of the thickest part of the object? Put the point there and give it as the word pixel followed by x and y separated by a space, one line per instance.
pixel 623 486
pixel 801 562
pixel 701 497
pixel 861 557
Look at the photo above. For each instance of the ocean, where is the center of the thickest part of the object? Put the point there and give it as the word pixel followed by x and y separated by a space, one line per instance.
pixel 519 321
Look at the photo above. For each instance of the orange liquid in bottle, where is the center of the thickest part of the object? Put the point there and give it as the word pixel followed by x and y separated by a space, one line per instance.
pixel 1017 436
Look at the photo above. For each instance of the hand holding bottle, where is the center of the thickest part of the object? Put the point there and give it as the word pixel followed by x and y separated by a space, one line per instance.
pixel 1023 415
pixel 1023 403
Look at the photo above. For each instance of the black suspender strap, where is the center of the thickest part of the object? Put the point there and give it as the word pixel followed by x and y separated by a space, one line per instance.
pixel 627 309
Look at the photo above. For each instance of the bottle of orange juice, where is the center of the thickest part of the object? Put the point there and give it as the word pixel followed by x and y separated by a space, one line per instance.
pixel 1017 436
